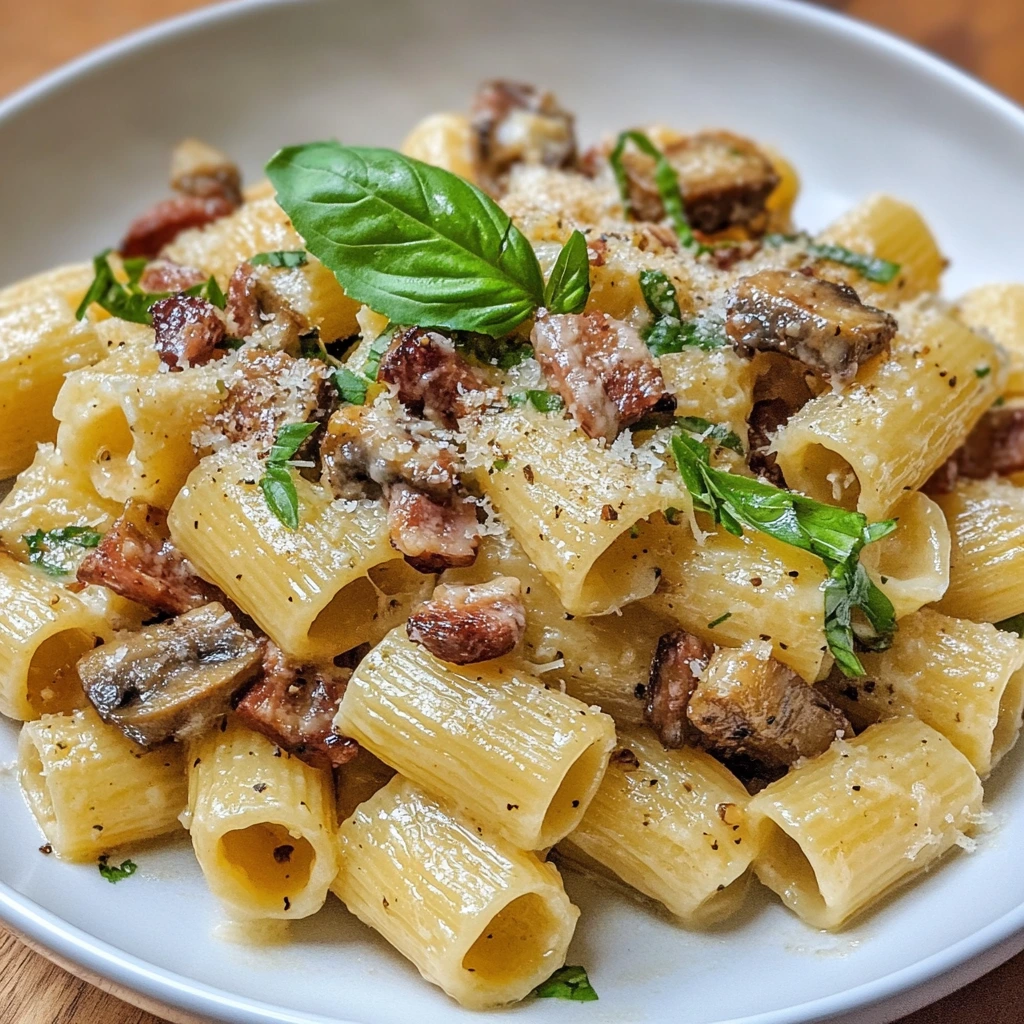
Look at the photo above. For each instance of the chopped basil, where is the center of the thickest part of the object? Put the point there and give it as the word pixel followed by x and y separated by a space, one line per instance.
pixel 721 618
pixel 1014 624
pixel 232 343
pixel 499 464
pixel 52 550
pixel 660 294
pixel 416 243
pixel 569 284
pixel 351 386
pixel 212 292
pixel 276 483
pixel 542 401
pixel 114 873
pixel 668 332
pixel 567 983
pixel 705 429
pixel 872 268
pixel 501 352
pixel 833 534
pixel 981 372
pixel 279 258
pixel 665 180
pixel 378 347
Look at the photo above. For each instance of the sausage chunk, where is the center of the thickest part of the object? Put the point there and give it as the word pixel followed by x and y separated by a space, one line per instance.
pixel 463 625
pixel 173 679
pixel 432 536
pixel 165 220
pixel 601 368
pixel 295 704
pixel 137 560
pixel 188 330
pixel 823 325
pixel 200 170
pixel 748 705
pixel 168 276
pixel 514 122
pixel 270 390
pixel 254 306
pixel 679 661
pixel 431 376
pixel 995 447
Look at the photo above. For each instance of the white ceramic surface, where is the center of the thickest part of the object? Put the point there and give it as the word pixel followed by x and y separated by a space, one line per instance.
pixel 856 111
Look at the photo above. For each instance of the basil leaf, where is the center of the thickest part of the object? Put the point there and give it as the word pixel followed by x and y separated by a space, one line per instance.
pixel 542 401
pixel 279 258
pixel 668 332
pixel 835 535
pixel 665 180
pixel 52 550
pixel 278 489
pixel 379 346
pixel 114 874
pixel 567 983
pixel 134 267
pixel 214 293
pixel 103 278
pixel 1014 624
pixel 659 293
pixel 288 441
pixel 413 242
pixel 721 435
pixel 873 268
pixel 569 284
pixel 351 386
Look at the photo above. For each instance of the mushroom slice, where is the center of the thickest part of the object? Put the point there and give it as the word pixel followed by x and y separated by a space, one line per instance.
pixel 749 705
pixel 464 625
pixel 678 664
pixel 198 169
pixel 172 679
pixel 823 325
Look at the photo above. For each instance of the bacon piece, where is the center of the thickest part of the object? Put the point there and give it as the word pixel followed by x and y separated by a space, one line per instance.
pixel 678 663
pixel 137 560
pixel 168 276
pixel 367 448
pixel 294 704
pixel 165 220
pixel 432 537
pixel 995 447
pixel 200 170
pixel 514 122
pixel 270 390
pixel 464 625
pixel 432 377
pixel 188 330
pixel 601 368
pixel 749 705
pixel 823 325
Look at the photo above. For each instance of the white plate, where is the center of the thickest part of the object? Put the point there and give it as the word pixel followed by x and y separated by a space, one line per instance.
pixel 855 110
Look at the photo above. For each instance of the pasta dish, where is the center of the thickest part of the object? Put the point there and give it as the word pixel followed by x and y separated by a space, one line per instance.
pixel 421 525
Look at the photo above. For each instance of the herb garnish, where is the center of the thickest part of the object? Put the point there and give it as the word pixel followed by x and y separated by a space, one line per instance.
pixel 569 284
pixel 721 618
pixel 833 534
pixel 129 301
pixel 114 873
pixel 351 386
pixel 1014 624
pixel 276 483
pixel 415 243
pixel 705 429
pixel 669 332
pixel 542 401
pixel 981 372
pixel 567 983
pixel 279 258
pixel 872 268
pixel 665 180
pixel 52 550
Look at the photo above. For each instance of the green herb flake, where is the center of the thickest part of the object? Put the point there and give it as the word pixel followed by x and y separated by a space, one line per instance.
pixel 665 179
pixel 668 332
pixel 872 268
pixel 567 983
pixel 1014 624
pixel 569 284
pixel 542 401
pixel 280 258
pixel 232 343
pixel 214 294
pixel 351 386
pixel 116 873
pixel 53 550
pixel 721 618
pixel 414 242
pixel 378 347
pixel 289 440
pixel 705 429
pixel 498 465
pixel 981 372
pixel 833 534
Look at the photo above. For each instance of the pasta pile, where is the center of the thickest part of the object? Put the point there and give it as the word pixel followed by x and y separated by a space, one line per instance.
pixel 417 526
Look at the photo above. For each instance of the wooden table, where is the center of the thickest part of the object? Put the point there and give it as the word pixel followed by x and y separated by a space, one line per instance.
pixel 984 36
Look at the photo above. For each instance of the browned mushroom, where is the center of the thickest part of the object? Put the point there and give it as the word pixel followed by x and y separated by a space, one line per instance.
pixel 172 679
pixel 823 325
pixel 200 170
pixel 678 663
pixel 995 447
pixel 187 330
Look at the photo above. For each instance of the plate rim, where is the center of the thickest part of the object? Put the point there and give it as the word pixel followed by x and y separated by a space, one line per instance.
pixel 930 978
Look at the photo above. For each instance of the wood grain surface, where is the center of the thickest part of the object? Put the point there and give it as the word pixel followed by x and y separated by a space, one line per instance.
pixel 986 37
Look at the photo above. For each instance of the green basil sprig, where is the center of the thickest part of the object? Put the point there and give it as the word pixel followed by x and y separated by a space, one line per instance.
pixel 668 332
pixel 416 243
pixel 279 258
pixel 567 983
pixel 665 180
pixel 833 534
pixel 276 483
pixel 872 268
pixel 53 550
